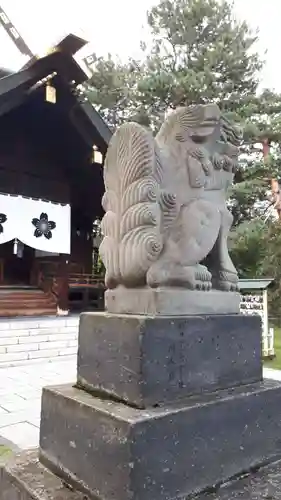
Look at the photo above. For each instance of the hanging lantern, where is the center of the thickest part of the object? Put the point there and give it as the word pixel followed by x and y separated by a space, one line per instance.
pixel 18 248
pixel 97 156
pixel 51 93
pixel 15 251
pixel 97 227
pixel 97 233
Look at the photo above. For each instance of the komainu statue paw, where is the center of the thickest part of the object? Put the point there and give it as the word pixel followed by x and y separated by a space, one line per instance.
pixel 226 281
pixel 203 278
pixel 192 277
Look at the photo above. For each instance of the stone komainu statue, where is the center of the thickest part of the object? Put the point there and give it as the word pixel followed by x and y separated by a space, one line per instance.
pixel 166 222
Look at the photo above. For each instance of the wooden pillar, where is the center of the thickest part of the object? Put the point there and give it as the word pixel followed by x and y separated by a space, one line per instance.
pixel 275 188
pixel 63 288
pixel 265 322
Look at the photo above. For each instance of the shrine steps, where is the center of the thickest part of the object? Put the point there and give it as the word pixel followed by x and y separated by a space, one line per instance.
pixel 25 301
pixel 25 341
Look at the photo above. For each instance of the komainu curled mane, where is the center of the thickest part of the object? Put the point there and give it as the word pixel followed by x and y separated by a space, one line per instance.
pixel 166 222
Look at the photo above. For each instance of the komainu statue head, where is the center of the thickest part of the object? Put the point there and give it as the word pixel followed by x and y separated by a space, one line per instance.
pixel 166 222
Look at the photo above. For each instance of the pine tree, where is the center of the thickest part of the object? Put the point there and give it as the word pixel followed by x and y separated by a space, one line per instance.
pixel 198 53
pixel 113 89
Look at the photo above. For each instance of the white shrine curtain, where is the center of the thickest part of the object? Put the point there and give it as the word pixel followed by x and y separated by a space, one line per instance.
pixel 39 224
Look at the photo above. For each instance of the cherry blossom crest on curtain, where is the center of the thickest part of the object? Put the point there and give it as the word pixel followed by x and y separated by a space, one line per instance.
pixel 39 224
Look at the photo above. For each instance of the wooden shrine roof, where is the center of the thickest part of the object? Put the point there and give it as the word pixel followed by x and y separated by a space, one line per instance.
pixel 5 72
pixel 16 88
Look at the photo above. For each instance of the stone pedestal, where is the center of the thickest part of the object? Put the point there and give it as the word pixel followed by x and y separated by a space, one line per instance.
pixel 170 301
pixel 113 451
pixel 146 360
pixel 164 407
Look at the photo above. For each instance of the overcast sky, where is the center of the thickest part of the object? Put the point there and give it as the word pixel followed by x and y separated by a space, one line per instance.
pixel 117 26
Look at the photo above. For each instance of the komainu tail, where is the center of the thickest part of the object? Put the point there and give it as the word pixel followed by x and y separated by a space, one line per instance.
pixel 131 225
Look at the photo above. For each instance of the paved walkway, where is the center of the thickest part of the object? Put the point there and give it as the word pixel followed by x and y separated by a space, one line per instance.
pixel 20 398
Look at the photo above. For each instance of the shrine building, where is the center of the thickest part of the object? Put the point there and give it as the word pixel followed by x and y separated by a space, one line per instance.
pixel 52 145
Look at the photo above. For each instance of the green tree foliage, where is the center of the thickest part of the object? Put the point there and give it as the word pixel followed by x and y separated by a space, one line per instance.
pixel 255 248
pixel 198 52
pixel 248 248
pixel 261 120
pixel 113 88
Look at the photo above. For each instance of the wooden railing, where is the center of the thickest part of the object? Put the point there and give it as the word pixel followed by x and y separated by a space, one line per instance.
pixel 86 292
pixel 91 280
pixel 90 289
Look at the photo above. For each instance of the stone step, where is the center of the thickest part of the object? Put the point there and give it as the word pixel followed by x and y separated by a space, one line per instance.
pixel 11 311
pixel 21 291
pixel 16 358
pixel 23 332
pixel 23 341
pixel 26 302
pixel 34 361
pixel 25 478
pixel 36 323
pixel 34 345
pixel 12 290
pixel 46 303
pixel 42 337
pixel 26 296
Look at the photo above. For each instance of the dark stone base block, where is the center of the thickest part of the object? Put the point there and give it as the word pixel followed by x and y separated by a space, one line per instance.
pixel 262 484
pixel 150 360
pixel 25 478
pixel 113 451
